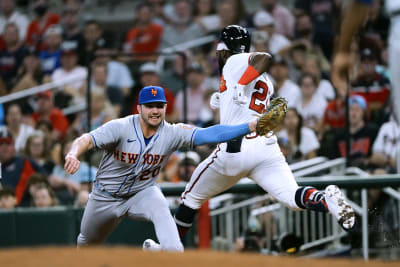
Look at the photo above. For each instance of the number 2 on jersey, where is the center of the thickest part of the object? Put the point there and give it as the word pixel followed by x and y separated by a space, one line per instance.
pixel 261 96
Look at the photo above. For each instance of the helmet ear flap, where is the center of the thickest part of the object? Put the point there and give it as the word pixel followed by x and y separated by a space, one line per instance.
pixel 236 38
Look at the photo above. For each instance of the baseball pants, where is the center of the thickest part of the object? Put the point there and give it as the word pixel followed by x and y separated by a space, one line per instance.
pixel 103 213
pixel 262 162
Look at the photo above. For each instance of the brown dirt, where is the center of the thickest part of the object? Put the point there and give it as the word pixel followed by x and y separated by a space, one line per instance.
pixel 124 256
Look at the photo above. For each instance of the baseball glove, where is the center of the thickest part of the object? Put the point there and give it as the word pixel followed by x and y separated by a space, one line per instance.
pixel 273 117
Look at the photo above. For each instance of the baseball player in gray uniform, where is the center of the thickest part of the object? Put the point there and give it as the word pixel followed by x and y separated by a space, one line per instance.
pixel 135 149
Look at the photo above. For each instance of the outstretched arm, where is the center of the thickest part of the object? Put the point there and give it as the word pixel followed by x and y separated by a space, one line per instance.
pixel 79 146
pixel 223 133
pixel 352 21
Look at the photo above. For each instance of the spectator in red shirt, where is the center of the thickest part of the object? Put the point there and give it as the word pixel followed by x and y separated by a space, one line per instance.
pixel 46 111
pixel 374 87
pixel 335 114
pixel 38 26
pixel 145 36
pixel 16 170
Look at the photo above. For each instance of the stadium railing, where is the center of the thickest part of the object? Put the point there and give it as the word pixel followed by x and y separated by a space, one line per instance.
pixel 234 215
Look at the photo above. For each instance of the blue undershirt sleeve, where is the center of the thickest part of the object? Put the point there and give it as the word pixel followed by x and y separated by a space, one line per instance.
pixel 220 133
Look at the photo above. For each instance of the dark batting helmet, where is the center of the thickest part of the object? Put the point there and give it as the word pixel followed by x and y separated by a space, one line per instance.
pixel 236 38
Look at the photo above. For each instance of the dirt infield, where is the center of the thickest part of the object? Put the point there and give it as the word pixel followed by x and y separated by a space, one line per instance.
pixel 123 256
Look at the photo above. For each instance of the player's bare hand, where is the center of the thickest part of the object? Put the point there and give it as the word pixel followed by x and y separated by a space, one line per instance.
pixel 71 164
pixel 253 125
pixel 239 96
pixel 340 72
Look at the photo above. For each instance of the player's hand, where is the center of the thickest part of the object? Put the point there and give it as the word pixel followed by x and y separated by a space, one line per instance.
pixel 239 96
pixel 340 72
pixel 253 125
pixel 215 100
pixel 71 164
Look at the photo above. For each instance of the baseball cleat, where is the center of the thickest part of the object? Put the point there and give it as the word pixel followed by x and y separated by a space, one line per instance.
pixel 338 206
pixel 151 245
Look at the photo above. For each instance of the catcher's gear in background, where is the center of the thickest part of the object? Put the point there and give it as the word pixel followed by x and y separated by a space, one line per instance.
pixel 236 38
pixel 273 117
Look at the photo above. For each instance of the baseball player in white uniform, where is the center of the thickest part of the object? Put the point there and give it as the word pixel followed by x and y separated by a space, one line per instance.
pixel 245 90
pixel 135 149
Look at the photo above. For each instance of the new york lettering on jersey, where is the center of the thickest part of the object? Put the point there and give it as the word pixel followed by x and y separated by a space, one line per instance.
pixel 129 160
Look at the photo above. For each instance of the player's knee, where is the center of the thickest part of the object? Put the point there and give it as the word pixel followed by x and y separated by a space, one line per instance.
pixel 82 241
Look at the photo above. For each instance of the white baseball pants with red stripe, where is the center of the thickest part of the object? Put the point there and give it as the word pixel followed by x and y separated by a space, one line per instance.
pixel 259 159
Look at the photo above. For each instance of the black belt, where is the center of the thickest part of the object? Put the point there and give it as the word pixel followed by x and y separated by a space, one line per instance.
pixel 234 145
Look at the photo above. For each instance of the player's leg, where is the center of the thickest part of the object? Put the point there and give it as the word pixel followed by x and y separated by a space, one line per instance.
pixel 151 204
pixel 275 177
pixel 207 181
pixel 100 218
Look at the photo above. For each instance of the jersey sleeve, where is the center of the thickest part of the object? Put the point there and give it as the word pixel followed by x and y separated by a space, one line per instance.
pixel 182 135
pixel 235 66
pixel 107 134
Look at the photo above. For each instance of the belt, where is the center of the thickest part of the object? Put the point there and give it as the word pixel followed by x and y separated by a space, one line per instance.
pixel 234 145
pixel 102 189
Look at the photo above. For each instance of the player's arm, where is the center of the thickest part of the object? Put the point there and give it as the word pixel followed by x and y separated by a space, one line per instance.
pixel 79 146
pixel 352 21
pixel 258 64
pixel 223 133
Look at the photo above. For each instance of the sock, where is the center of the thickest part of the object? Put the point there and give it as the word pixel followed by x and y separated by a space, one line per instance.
pixel 310 198
pixel 184 218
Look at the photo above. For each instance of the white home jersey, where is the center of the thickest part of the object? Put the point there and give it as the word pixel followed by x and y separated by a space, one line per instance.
pixel 258 92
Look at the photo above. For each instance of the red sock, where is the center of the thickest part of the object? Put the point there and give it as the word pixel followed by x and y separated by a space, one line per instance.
pixel 307 195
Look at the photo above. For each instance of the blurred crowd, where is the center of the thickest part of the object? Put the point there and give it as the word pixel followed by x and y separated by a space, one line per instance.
pixel 44 41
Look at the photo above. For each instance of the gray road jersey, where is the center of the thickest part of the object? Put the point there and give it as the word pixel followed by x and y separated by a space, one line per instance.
pixel 128 165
